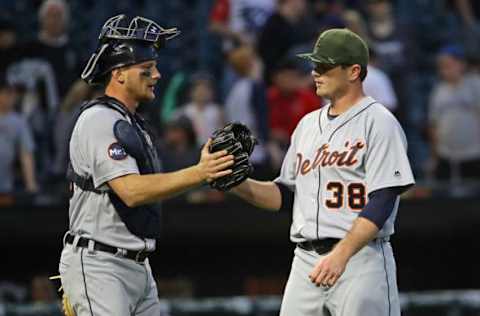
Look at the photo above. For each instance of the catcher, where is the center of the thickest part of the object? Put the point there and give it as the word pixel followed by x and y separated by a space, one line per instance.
pixel 116 178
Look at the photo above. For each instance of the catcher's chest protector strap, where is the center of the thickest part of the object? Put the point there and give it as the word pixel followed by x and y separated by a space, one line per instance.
pixel 142 151
pixel 86 183
pixel 142 221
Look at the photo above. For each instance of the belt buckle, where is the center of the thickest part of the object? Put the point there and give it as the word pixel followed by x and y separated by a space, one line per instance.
pixel 121 253
pixel 137 256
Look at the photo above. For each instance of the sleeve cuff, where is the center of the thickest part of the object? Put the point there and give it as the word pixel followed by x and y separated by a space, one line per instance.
pixel 103 180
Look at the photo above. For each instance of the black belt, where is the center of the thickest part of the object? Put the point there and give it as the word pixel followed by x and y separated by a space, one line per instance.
pixel 321 246
pixel 138 256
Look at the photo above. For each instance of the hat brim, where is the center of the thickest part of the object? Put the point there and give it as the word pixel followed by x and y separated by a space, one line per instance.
pixel 315 59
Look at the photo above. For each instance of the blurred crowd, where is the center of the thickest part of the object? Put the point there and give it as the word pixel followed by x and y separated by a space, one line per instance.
pixel 236 61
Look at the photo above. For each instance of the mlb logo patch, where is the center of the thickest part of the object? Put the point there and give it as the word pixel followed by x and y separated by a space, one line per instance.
pixel 116 152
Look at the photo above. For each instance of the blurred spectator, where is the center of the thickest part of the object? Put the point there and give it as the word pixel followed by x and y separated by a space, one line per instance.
pixel 53 45
pixel 394 53
pixel 9 51
pixel 288 101
pixel 16 142
pixel 179 148
pixel 42 290
pixel 356 23
pixel 79 92
pixel 238 22
pixel 328 14
pixel 377 84
pixel 205 115
pixel 12 293
pixel 288 27
pixel 48 67
pixel 469 13
pixel 381 25
pixel 387 39
pixel 174 95
pixel 455 118
pixel 246 101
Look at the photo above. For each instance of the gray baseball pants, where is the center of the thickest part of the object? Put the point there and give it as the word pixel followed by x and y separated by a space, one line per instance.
pixel 101 284
pixel 368 287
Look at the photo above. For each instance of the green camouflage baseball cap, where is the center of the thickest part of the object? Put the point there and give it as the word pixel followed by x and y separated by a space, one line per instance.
pixel 339 47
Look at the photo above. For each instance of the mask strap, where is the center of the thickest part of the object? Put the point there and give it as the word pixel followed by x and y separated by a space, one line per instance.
pixel 92 63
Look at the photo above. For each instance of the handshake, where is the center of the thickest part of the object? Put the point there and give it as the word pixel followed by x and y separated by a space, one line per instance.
pixel 239 142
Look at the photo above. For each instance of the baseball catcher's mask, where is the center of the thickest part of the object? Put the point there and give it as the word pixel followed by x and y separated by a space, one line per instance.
pixel 123 44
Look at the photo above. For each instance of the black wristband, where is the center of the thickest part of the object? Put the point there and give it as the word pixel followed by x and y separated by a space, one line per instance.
pixel 287 197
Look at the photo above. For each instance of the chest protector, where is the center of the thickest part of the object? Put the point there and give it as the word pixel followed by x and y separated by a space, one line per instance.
pixel 142 221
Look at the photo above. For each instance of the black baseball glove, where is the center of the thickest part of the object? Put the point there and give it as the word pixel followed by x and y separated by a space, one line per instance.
pixel 238 141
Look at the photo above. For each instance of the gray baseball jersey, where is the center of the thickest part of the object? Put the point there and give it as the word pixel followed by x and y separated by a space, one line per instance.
pixel 332 166
pixel 94 151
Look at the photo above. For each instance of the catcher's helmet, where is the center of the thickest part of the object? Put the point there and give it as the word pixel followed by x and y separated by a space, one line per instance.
pixel 122 44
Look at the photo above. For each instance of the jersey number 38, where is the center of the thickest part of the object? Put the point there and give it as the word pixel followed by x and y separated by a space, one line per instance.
pixel 355 196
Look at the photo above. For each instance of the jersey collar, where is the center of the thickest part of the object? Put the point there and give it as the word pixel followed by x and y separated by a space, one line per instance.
pixel 329 127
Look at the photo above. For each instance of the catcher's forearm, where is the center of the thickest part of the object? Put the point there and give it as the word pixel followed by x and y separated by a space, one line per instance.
pixel 262 194
pixel 135 189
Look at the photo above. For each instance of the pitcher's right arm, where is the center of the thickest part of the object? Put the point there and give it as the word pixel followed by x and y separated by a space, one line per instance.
pixel 262 194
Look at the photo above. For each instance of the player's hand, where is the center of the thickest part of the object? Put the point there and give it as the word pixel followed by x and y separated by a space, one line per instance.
pixel 214 165
pixel 329 269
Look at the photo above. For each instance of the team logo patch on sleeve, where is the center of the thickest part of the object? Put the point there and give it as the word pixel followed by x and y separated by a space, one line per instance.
pixel 116 152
